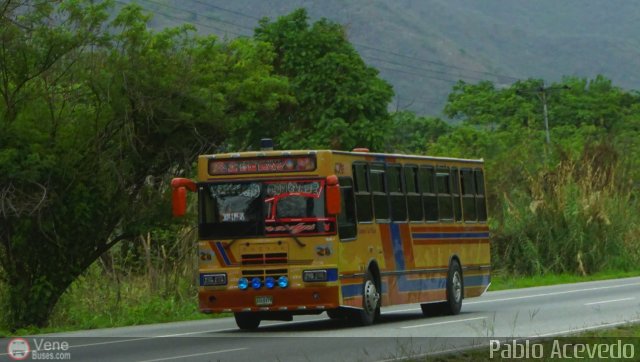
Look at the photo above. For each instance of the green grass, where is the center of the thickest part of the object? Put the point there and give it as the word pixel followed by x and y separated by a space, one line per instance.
pixel 97 300
pixel 501 281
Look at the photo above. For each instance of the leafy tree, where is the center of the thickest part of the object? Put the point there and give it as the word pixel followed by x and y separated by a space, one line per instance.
pixel 414 134
pixel 95 118
pixel 340 101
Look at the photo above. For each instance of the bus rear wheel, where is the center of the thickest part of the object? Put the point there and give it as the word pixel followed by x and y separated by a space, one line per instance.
pixel 247 320
pixel 454 294
pixel 454 289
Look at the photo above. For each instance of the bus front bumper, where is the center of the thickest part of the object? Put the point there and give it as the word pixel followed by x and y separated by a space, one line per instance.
pixel 293 300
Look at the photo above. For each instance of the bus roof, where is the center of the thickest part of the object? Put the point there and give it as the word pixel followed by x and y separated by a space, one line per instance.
pixel 279 153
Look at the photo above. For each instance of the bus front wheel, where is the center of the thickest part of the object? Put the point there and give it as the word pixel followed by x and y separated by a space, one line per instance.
pixel 370 301
pixel 247 320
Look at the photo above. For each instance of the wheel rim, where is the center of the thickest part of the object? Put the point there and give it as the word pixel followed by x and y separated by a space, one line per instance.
pixel 371 297
pixel 457 286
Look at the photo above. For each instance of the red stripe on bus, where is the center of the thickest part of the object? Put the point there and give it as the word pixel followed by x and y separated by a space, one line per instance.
pixel 449 241
pixel 452 228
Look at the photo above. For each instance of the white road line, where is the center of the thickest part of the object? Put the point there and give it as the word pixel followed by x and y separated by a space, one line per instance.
pixel 401 310
pixel 609 301
pixel 194 355
pixel 445 322
pixel 552 293
pixel 599 326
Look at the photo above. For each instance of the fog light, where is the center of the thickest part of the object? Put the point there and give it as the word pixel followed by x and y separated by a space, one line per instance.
pixel 243 283
pixel 256 283
pixel 283 282
pixel 269 282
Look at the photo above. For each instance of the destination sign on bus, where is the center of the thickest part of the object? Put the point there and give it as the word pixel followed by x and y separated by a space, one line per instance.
pixel 262 165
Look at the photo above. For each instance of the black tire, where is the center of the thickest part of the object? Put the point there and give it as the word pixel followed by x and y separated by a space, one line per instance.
pixel 432 309
pixel 454 294
pixel 247 320
pixel 336 314
pixel 370 302
pixel 454 289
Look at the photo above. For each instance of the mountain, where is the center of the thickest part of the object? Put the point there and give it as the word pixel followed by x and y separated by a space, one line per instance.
pixel 423 47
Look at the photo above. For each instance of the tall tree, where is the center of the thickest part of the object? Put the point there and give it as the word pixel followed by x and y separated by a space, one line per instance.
pixel 95 117
pixel 341 102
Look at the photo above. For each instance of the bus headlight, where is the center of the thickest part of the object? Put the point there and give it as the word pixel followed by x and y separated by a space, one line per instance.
pixel 283 282
pixel 243 283
pixel 256 283
pixel 269 282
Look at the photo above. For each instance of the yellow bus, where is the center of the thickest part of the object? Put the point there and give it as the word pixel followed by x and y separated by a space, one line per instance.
pixel 285 233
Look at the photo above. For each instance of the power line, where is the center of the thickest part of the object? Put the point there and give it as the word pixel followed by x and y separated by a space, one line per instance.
pixel 197 15
pixel 420 68
pixel 369 57
pixel 434 62
pixel 383 50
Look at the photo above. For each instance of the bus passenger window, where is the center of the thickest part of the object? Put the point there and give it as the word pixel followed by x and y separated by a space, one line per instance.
pixel 445 203
pixel 455 193
pixel 396 193
pixel 428 189
pixel 347 228
pixel 481 203
pixel 414 204
pixel 468 195
pixel 379 191
pixel 364 207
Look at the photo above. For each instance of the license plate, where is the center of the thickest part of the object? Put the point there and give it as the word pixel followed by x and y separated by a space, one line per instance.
pixel 264 300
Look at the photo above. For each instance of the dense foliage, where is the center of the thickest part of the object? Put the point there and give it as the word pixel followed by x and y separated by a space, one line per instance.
pixel 97 113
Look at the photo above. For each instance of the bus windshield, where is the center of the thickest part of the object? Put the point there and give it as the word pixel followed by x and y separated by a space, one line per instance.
pixel 268 208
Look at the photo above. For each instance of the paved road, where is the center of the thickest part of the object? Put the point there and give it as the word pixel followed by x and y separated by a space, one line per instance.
pixel 402 332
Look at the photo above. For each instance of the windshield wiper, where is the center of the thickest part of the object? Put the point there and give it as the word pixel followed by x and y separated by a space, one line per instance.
pixel 300 243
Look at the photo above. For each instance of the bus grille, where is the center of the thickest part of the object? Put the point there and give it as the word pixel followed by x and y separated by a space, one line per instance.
pixel 263 273
pixel 262 259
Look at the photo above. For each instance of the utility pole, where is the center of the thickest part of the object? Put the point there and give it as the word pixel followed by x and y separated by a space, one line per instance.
pixel 546 115
pixel 542 94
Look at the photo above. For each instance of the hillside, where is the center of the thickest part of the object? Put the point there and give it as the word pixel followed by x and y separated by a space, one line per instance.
pixel 424 47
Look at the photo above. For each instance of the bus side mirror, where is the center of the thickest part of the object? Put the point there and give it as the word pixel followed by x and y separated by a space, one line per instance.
pixel 179 188
pixel 333 195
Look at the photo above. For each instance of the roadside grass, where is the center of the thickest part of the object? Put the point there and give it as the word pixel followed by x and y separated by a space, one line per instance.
pixel 627 334
pixel 500 280
pixel 100 300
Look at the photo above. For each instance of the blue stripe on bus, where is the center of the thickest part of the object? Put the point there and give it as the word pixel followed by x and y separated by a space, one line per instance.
pixel 449 235
pixel 396 243
pixel 415 285
pixel 223 253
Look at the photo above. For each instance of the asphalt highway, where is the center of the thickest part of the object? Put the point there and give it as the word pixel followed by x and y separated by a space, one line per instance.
pixel 402 331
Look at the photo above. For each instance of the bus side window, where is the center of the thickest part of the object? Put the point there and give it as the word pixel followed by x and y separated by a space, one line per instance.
pixel 364 208
pixel 468 196
pixel 397 193
pixel 455 193
pixel 445 203
pixel 414 204
pixel 429 196
pixel 347 229
pixel 379 191
pixel 481 203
